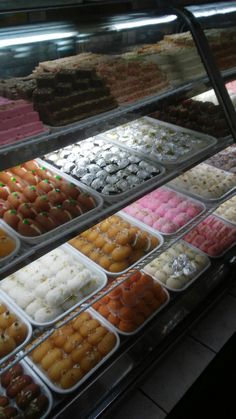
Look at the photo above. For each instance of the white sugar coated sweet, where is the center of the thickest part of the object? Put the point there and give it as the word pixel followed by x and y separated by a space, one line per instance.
pixel 50 285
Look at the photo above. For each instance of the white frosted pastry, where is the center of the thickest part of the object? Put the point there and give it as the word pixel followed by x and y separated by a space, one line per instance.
pixel 24 298
pixel 42 290
pixel 46 314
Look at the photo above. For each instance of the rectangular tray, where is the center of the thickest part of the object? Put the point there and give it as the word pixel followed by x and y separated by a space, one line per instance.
pixel 176 128
pixel 23 319
pixel 135 223
pixel 201 198
pixel 144 323
pixel 138 188
pixel 181 228
pixel 223 218
pixel 10 233
pixel 225 251
pixel 210 140
pixel 72 223
pixel 58 389
pixel 87 263
pixel 193 279
pixel 37 380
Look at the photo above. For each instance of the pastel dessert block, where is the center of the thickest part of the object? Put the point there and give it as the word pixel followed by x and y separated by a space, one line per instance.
pixel 165 210
pixel 227 210
pixel 213 236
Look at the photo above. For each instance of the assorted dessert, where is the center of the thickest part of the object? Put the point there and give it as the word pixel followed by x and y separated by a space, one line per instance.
pixel 105 167
pixel 13 330
pixel 227 210
pixel 128 306
pixel 74 350
pixel 196 115
pixel 225 160
pixel 163 143
pixel 165 210
pixel 70 95
pixel 177 267
pixel 48 287
pixel 18 120
pixel 205 181
pixel 34 200
pixel 7 244
pixel 115 244
pixel 213 236
pixel 21 395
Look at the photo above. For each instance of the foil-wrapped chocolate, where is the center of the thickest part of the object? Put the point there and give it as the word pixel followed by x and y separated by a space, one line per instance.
pixel 182 265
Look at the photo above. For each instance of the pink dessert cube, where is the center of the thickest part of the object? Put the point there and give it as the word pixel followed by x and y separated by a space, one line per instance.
pixel 171 214
pixel 168 227
pixel 181 219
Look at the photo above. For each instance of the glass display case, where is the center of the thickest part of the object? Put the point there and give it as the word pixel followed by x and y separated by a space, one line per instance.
pixel 117 191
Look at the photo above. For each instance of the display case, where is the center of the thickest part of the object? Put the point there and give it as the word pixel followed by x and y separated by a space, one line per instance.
pixel 110 109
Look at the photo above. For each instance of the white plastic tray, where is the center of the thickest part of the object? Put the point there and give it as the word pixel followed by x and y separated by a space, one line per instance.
pixel 145 322
pixel 154 230
pixel 89 265
pixel 193 279
pixel 224 218
pixel 37 380
pixel 137 224
pixel 75 221
pixel 210 141
pixel 58 389
pixel 226 250
pixel 118 196
pixel 22 318
pixel 200 197
pixel 10 233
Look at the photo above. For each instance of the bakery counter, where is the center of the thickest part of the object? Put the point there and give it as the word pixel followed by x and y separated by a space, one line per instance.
pixel 136 354
pixel 25 149
pixel 35 247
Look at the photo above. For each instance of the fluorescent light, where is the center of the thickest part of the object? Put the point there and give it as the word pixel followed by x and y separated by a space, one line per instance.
pixel 144 22
pixel 213 12
pixel 35 38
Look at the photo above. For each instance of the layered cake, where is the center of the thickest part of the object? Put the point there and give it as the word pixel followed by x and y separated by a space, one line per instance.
pixel 18 120
pixel 17 88
pixel 199 116
pixel 70 95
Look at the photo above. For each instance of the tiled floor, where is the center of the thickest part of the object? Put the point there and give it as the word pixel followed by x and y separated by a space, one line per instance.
pixel 178 370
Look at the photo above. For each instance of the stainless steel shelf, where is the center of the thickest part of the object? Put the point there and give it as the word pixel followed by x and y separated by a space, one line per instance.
pixel 28 5
pixel 13 154
pixel 28 253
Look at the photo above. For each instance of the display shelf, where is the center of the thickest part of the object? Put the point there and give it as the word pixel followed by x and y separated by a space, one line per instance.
pixel 29 5
pixel 168 241
pixel 28 253
pixel 21 151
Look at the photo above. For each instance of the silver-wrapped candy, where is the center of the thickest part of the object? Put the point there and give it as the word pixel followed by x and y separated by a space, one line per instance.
pixel 79 171
pixel 112 179
pixel 111 168
pixel 97 184
pixel 143 174
pixel 87 179
pixel 68 167
pixel 132 168
pixel 93 168
pixel 109 190
pixel 133 180
pixel 123 185
pixel 101 174
pixel 182 265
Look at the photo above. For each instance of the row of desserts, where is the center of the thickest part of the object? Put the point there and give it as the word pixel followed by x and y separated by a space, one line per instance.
pixel 72 88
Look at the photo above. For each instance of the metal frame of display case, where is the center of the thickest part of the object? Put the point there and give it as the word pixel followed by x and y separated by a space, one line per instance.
pixel 138 353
